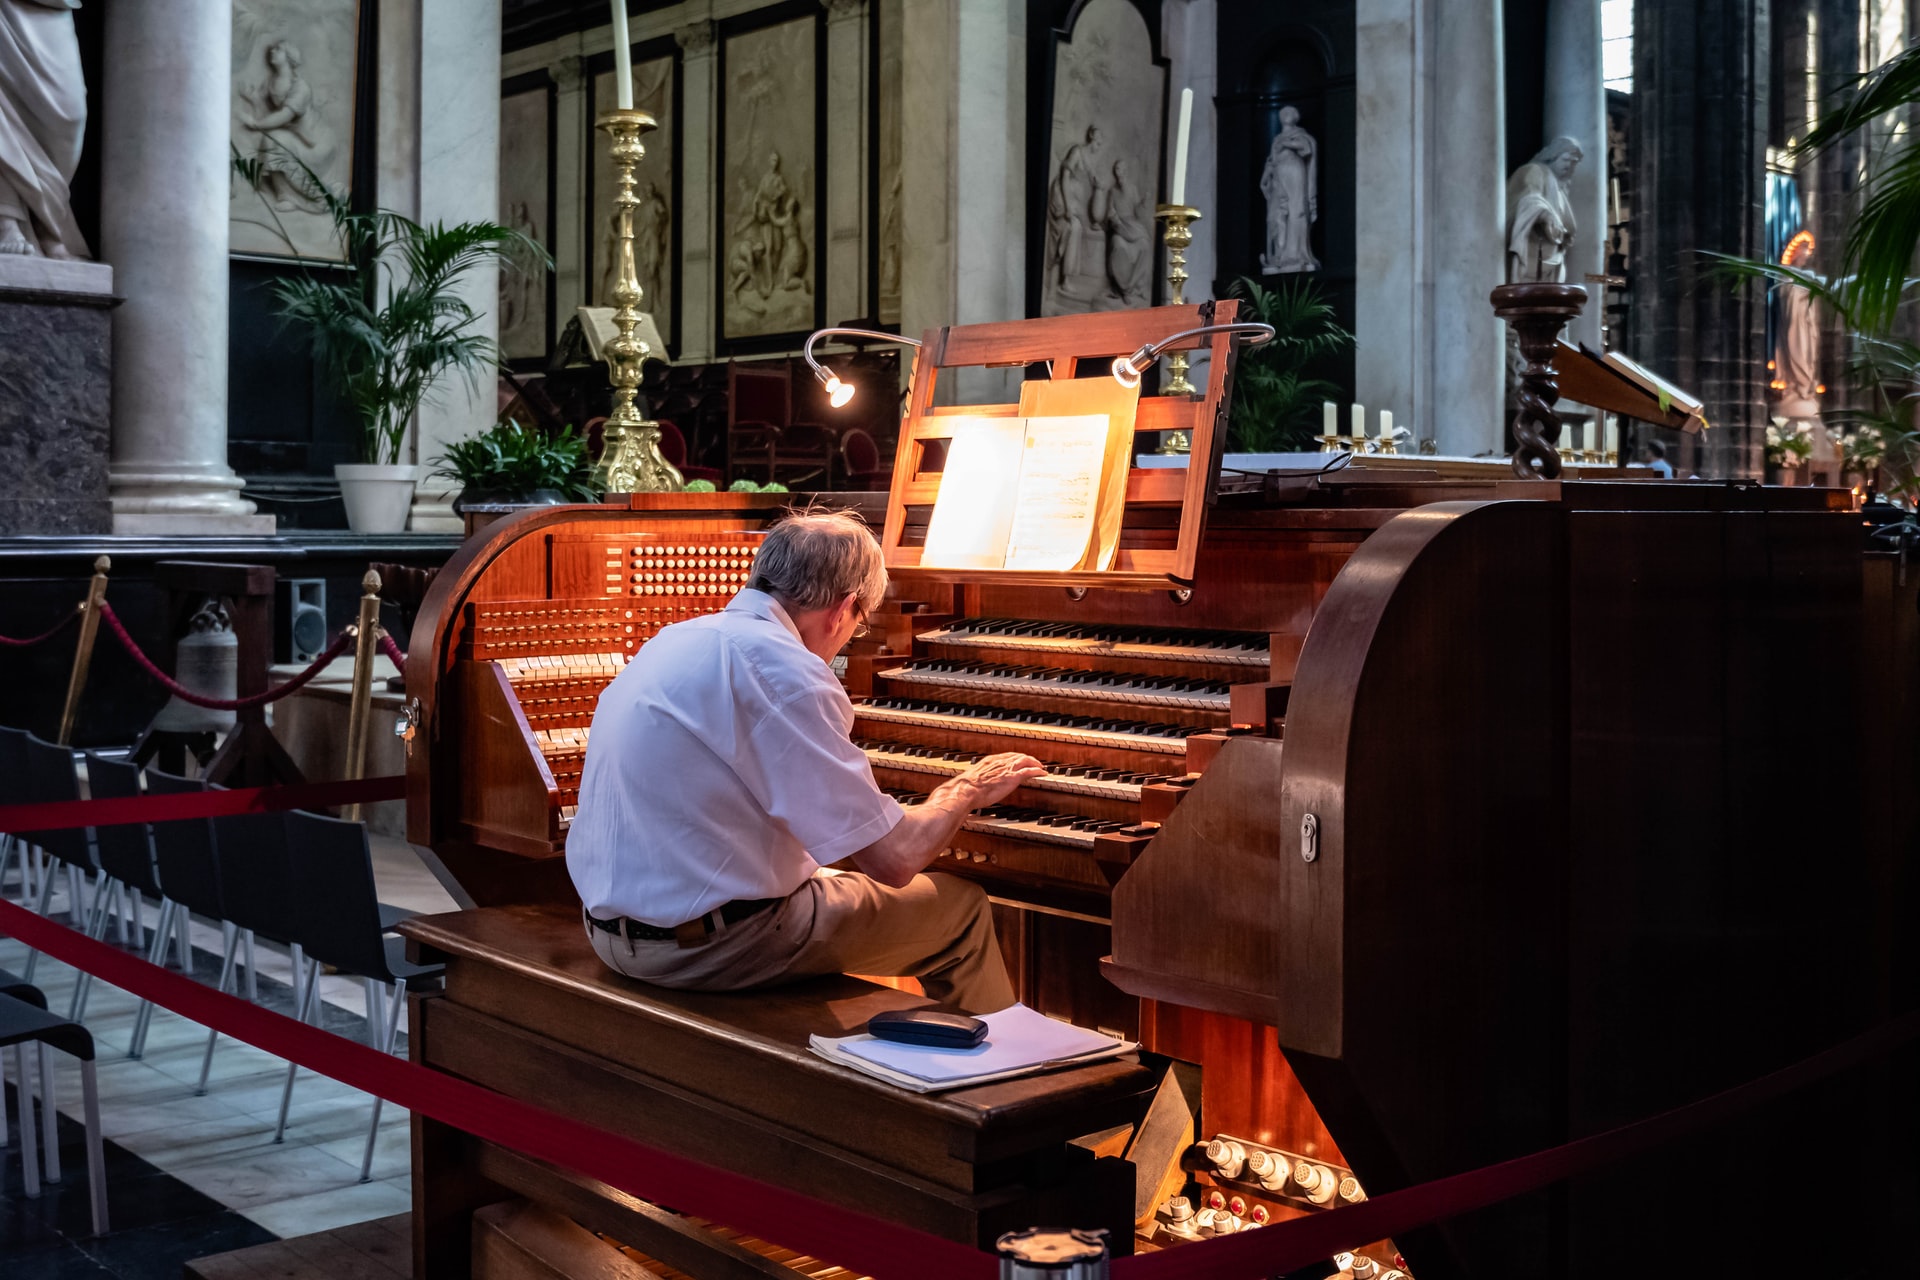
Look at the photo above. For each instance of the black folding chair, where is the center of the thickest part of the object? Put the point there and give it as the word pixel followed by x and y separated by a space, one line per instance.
pixel 125 852
pixel 17 788
pixel 22 1024
pixel 51 776
pixel 256 896
pixel 184 856
pixel 339 924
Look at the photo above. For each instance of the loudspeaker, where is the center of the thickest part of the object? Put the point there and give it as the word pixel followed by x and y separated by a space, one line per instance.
pixel 299 619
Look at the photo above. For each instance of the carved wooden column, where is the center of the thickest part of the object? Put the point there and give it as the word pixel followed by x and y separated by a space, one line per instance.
pixel 1538 312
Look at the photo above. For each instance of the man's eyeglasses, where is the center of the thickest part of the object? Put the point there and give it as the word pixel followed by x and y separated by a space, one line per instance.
pixel 862 628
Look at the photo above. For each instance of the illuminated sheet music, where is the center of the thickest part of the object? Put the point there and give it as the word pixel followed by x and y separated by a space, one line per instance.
pixel 973 516
pixel 1018 493
pixel 1057 501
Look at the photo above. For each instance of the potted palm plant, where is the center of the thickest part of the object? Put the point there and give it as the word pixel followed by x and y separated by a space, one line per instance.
pixel 391 329
pixel 1276 397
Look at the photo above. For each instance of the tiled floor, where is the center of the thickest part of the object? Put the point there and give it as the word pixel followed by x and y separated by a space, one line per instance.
pixel 195 1175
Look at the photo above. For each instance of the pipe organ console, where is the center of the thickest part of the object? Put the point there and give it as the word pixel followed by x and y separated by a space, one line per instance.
pixel 1430 820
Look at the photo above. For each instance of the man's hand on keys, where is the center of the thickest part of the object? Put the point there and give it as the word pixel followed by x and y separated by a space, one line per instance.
pixel 997 777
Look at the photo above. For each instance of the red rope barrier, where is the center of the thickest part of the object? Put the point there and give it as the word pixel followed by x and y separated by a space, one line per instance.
pixel 392 650
pixel 339 646
pixel 868 1246
pixel 10 643
pixel 59 815
pixel 877 1247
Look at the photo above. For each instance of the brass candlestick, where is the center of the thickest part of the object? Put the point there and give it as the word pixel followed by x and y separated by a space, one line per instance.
pixel 630 457
pixel 1178 218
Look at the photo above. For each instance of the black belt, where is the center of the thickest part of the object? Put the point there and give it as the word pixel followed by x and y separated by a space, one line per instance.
pixel 691 934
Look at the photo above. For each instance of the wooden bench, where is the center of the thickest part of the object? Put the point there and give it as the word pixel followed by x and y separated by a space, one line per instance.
pixel 530 1011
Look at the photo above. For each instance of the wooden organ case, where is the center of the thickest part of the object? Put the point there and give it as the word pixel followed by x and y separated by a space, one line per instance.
pixel 1436 822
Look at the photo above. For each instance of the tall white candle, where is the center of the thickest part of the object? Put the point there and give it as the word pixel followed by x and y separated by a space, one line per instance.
pixel 1386 424
pixel 1613 439
pixel 622 58
pixel 1359 422
pixel 1329 418
pixel 1180 148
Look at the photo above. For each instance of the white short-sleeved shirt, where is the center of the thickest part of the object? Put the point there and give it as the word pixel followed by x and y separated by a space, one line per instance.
pixel 719 767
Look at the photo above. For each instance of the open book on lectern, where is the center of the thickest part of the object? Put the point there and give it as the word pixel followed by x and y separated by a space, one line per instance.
pixel 1020 493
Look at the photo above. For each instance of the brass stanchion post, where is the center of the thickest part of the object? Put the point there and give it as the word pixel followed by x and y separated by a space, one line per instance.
pixel 360 708
pixel 83 651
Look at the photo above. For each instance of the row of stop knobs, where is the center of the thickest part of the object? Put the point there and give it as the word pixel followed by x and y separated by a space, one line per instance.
pixel 1232 1160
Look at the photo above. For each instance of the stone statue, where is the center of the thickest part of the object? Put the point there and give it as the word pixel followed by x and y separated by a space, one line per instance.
pixel 1129 227
pixel 520 296
pixel 1070 205
pixel 1794 375
pixel 43 117
pixel 1540 223
pixel 295 146
pixel 1290 183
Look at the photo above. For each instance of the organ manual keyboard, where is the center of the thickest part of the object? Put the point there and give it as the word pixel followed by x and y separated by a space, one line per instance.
pixel 1409 825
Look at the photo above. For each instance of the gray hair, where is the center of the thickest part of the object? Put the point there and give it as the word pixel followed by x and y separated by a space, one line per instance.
pixel 812 558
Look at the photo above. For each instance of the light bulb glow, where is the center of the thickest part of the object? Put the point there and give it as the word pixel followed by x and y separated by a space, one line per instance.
pixel 838 392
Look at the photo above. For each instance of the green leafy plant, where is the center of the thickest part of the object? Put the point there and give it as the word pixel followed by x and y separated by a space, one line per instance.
pixel 513 461
pixel 747 486
pixel 700 486
pixel 395 324
pixel 1276 397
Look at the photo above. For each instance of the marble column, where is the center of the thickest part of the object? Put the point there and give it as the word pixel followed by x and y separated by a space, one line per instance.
pixel 699 137
pixel 963 182
pixel 1699 179
pixel 847 120
pixel 459 115
pixel 1576 107
pixel 1190 37
pixel 165 168
pixel 1430 224
pixel 571 163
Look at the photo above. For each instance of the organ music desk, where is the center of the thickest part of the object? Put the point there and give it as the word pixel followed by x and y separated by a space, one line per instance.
pixel 1435 821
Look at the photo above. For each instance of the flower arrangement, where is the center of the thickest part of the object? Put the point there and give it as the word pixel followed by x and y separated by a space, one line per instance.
pixel 1788 444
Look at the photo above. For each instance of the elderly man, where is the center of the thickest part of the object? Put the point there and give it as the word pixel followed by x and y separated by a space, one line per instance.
pixel 720 779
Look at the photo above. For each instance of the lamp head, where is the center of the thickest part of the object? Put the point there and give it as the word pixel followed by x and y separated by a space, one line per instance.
pixel 1127 369
pixel 838 392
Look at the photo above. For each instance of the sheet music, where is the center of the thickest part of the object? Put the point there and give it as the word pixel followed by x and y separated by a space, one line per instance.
pixel 1056 502
pixel 973 516
pixel 1071 397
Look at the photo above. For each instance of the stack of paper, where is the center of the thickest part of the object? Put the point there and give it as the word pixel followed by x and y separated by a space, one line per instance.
pixel 1019 1042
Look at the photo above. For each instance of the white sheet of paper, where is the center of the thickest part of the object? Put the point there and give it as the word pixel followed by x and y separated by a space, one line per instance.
pixel 973 515
pixel 1058 498
pixel 1017 1037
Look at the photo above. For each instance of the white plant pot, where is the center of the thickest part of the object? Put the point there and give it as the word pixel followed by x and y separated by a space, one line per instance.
pixel 378 497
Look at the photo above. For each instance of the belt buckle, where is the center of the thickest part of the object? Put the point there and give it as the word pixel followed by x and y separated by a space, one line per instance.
pixel 696 932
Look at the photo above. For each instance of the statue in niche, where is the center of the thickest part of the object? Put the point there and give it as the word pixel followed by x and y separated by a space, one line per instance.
pixel 43 117
pixel 1795 349
pixel 520 295
pixel 1540 223
pixel 1290 182
pixel 769 254
pixel 1070 206
pixel 650 245
pixel 1129 229
pixel 295 146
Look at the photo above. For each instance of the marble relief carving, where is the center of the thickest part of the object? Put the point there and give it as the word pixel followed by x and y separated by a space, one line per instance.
pixel 1290 182
pixel 43 118
pixel 768 176
pixel 652 221
pixel 1105 150
pixel 524 164
pixel 294 63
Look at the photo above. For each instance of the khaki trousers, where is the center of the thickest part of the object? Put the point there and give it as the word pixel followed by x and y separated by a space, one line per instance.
pixel 938 929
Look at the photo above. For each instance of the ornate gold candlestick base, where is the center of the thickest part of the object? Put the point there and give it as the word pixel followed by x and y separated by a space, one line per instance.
pixel 1178 218
pixel 630 457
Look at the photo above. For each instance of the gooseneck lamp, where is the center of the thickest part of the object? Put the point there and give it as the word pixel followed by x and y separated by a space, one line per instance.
pixel 1127 369
pixel 838 392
